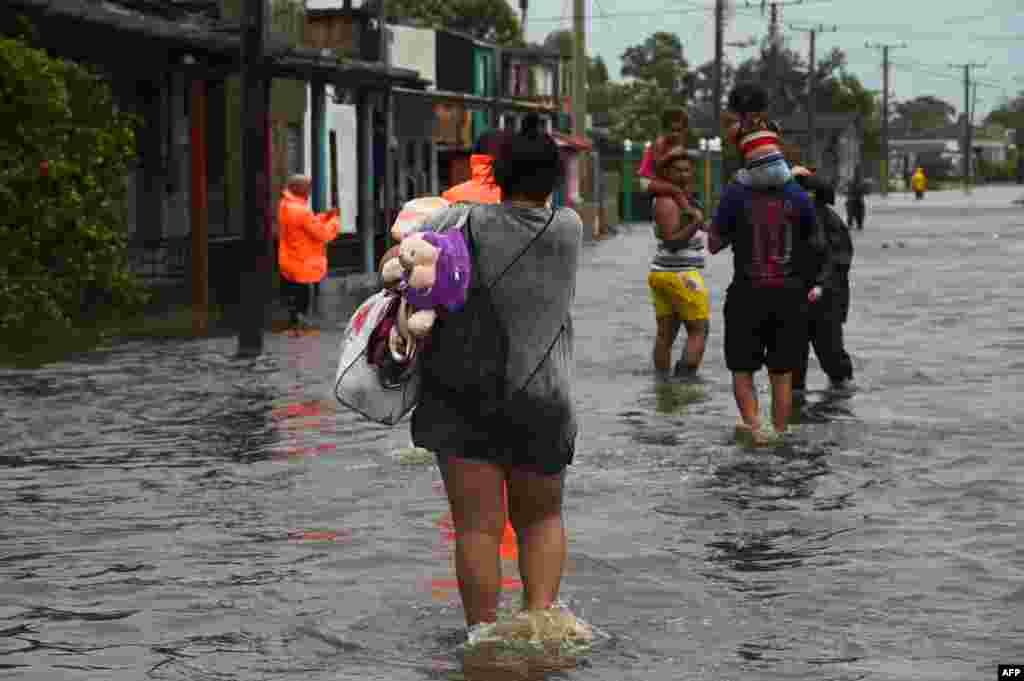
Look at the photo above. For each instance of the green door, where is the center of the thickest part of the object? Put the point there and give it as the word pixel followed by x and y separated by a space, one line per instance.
pixel 483 86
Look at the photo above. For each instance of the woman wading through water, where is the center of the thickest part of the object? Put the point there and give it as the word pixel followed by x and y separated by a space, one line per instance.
pixel 496 404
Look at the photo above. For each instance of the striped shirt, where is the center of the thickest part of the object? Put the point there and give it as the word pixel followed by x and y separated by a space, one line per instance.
pixel 677 255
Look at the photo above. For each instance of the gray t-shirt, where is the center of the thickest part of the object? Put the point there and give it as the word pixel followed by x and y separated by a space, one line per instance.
pixel 509 353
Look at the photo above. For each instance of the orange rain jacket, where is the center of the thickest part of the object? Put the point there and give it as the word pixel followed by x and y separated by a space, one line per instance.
pixel 480 188
pixel 302 252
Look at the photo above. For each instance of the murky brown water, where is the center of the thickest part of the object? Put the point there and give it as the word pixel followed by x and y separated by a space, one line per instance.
pixel 170 512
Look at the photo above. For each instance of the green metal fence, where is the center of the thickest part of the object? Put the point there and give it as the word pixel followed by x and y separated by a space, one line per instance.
pixel 635 205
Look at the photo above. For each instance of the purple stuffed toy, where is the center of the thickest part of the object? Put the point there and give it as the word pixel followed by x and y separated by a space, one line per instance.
pixel 436 273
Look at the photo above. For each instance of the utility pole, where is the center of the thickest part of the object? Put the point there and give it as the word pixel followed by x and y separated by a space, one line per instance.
pixel 812 105
pixel 255 270
pixel 773 44
pixel 966 152
pixel 387 173
pixel 579 76
pixel 884 180
pixel 773 38
pixel 716 94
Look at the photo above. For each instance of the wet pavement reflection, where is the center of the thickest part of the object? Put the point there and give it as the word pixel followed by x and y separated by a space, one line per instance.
pixel 171 512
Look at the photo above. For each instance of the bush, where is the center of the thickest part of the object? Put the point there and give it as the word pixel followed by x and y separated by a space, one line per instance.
pixel 993 171
pixel 64 154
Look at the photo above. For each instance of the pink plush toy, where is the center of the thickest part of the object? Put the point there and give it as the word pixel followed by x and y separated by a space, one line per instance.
pixel 432 270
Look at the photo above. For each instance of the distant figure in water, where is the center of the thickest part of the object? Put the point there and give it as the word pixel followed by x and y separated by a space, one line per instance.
pixel 920 183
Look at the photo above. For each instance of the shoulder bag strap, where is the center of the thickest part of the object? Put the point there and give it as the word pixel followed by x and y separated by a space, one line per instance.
pixel 472 248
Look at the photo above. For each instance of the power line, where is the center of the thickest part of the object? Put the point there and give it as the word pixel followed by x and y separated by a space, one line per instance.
pixel 688 9
pixel 932 69
pixel 609 15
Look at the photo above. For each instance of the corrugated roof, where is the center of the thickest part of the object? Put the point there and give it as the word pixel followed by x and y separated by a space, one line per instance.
pixel 203 35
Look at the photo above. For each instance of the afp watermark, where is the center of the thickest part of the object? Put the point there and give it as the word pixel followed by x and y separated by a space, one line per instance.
pixel 1013 672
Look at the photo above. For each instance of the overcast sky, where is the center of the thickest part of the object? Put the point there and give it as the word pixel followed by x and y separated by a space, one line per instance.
pixel 937 32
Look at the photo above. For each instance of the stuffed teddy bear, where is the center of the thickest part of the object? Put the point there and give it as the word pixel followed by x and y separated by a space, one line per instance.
pixel 432 270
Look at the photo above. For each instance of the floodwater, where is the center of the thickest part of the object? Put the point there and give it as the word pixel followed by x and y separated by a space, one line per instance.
pixel 170 512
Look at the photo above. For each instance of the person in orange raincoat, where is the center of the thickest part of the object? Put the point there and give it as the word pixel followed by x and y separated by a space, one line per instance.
pixel 302 248
pixel 480 188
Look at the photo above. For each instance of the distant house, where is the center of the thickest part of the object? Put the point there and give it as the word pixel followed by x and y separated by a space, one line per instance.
pixel 175 64
pixel 941 146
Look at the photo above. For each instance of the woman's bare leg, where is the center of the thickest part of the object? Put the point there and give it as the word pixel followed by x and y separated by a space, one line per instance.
pixel 535 507
pixel 475 496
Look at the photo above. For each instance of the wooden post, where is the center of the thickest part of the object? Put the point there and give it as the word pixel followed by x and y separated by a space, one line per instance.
pixel 627 183
pixel 707 177
pixel 367 191
pixel 200 203
pixel 316 144
pixel 435 184
pixel 255 282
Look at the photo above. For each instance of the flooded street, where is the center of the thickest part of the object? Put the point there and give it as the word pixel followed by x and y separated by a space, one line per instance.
pixel 170 512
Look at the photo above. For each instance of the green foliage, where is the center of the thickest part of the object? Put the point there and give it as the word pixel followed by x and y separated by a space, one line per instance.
pixel 489 20
pixel 995 171
pixel 659 60
pixel 847 94
pixel 1009 114
pixel 660 78
pixel 64 154
pixel 922 113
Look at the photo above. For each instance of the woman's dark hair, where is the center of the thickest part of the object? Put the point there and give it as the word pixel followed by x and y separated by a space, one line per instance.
pixel 528 164
pixel 531 124
pixel 672 114
pixel 748 98
pixel 490 142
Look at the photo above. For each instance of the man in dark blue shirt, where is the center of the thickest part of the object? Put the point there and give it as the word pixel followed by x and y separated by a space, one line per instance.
pixel 776 244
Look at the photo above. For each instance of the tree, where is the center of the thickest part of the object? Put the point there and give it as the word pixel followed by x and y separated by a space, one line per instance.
pixel 704 81
pixel 1009 114
pixel 659 60
pixel 847 94
pixel 659 78
pixel 489 20
pixel 923 113
pixel 600 88
pixel 64 154
pixel 786 81
pixel 636 110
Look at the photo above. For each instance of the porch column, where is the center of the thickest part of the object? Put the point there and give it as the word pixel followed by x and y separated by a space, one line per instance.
pixel 316 144
pixel 416 164
pixel 402 161
pixel 388 176
pixel 367 208
pixel 435 185
pixel 199 200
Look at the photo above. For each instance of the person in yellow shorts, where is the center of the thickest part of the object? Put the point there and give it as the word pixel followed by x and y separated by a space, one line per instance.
pixel 678 291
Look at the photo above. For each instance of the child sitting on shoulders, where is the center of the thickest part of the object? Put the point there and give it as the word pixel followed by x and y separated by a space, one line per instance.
pixel 676 124
pixel 757 138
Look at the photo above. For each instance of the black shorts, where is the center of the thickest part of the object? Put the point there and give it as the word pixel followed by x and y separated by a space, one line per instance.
pixel 765 327
pixel 544 443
